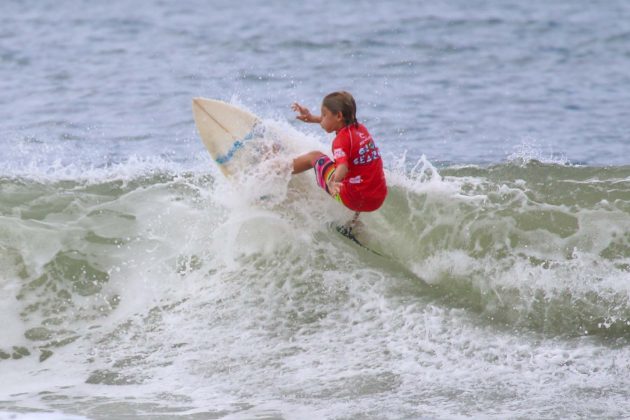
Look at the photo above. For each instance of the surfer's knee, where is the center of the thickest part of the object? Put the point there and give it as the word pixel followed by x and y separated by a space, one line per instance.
pixel 305 162
pixel 313 156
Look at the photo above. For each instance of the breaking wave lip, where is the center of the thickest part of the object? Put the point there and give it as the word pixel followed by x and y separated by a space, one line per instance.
pixel 38 166
pixel 530 151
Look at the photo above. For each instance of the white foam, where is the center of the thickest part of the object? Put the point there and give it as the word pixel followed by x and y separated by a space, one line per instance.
pixel 531 150
pixel 51 415
pixel 251 306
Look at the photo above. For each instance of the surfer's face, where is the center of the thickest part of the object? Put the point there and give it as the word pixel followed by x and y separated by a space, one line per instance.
pixel 331 121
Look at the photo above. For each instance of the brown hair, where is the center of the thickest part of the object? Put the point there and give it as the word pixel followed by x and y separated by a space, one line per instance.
pixel 343 102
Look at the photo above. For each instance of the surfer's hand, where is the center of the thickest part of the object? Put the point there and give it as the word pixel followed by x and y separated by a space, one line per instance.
pixel 334 187
pixel 303 113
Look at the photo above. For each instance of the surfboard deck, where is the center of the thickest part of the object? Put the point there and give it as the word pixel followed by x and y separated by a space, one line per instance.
pixel 227 132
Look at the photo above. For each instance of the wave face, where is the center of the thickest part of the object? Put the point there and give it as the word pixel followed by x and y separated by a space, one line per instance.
pixel 166 279
pixel 535 245
pixel 545 247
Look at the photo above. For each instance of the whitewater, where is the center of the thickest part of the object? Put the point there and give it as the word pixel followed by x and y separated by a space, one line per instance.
pixel 167 291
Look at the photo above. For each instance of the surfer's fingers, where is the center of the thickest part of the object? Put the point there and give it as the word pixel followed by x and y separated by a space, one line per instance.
pixel 301 109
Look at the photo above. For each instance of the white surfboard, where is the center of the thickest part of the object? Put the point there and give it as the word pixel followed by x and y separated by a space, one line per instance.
pixel 227 132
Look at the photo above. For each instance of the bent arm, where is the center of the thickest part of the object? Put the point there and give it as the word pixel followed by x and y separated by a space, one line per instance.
pixel 340 173
pixel 334 185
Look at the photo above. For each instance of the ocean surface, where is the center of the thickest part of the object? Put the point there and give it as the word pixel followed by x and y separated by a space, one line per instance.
pixel 137 282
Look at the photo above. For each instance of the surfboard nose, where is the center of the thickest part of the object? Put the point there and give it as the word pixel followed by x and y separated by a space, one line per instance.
pixel 197 101
pixel 223 129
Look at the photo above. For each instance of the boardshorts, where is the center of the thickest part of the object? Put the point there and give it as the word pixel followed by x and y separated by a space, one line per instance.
pixel 324 169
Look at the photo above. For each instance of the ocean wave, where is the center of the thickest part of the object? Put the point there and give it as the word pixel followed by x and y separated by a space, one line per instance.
pixel 536 246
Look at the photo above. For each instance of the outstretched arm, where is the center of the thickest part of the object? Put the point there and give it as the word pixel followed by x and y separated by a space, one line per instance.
pixel 304 114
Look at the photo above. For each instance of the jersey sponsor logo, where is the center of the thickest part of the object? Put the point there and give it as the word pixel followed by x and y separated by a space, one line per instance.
pixel 355 180
pixel 338 153
pixel 367 154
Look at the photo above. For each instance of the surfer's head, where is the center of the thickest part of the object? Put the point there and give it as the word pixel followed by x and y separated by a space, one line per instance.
pixel 341 105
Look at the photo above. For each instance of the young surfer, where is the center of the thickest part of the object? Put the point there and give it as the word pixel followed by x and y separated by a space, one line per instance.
pixel 355 177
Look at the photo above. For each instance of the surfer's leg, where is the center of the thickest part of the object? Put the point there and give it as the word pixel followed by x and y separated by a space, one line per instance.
pixel 305 162
pixel 324 169
pixel 352 223
pixel 346 229
pixel 355 218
